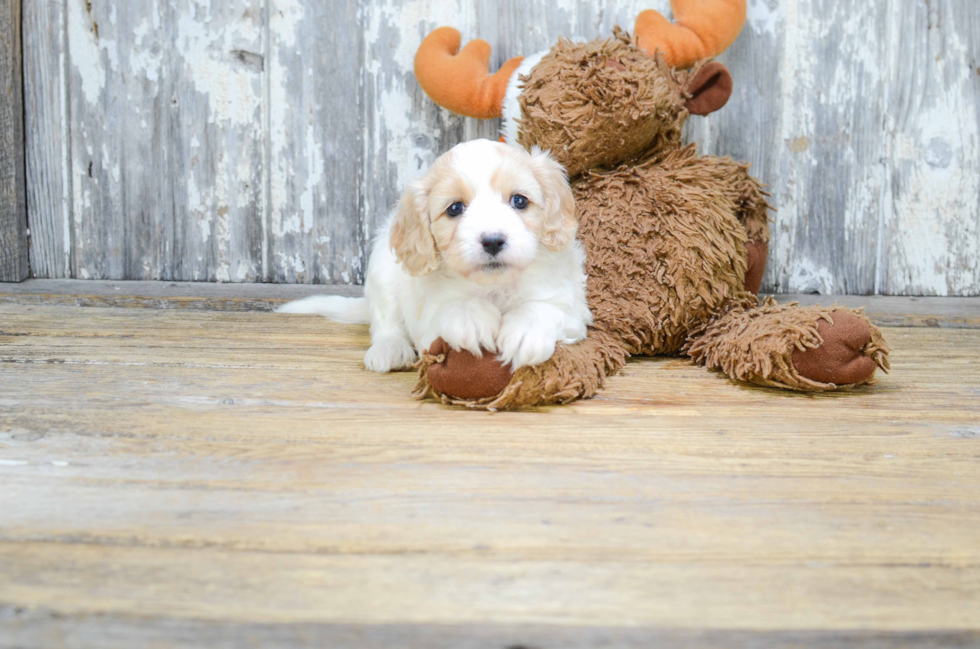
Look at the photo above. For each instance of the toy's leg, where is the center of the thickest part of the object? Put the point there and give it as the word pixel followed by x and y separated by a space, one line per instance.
pixel 758 252
pixel 574 372
pixel 752 210
pixel 753 213
pixel 787 346
pixel 752 206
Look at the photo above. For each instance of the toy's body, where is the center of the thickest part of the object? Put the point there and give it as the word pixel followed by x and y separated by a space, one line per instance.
pixel 675 242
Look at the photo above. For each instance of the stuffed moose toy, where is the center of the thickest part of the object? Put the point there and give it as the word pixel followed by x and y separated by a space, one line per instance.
pixel 675 242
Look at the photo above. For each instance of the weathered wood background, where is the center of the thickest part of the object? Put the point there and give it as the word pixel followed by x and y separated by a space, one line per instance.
pixel 13 213
pixel 263 140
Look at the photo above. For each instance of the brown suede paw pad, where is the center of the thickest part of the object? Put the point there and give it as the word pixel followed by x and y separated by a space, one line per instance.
pixel 840 358
pixel 461 375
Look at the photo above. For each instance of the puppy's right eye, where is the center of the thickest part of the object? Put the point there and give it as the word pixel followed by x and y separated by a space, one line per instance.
pixel 455 209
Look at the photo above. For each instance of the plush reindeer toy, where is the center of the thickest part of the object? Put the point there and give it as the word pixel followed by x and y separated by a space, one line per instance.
pixel 676 242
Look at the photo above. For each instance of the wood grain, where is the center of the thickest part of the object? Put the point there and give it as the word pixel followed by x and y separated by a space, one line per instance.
pixel 47 121
pixel 14 264
pixel 43 628
pixel 171 471
pixel 885 311
pixel 199 296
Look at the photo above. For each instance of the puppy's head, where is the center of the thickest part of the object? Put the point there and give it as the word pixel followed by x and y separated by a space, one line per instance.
pixel 483 212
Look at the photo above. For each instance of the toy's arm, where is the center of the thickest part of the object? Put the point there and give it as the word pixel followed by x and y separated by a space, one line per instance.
pixel 573 372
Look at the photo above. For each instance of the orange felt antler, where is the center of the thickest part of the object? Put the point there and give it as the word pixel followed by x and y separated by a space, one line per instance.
pixel 702 29
pixel 462 82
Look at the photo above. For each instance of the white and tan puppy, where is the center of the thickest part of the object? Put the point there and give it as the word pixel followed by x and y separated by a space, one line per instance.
pixel 481 251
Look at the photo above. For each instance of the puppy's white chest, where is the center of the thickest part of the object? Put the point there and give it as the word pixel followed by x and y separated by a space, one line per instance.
pixel 502 298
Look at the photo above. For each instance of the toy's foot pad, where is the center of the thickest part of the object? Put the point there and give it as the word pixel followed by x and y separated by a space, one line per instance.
pixel 461 375
pixel 840 359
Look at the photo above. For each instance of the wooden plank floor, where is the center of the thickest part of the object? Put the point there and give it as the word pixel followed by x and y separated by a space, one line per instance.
pixel 237 479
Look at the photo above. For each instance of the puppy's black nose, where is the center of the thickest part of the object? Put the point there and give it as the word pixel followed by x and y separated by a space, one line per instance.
pixel 493 243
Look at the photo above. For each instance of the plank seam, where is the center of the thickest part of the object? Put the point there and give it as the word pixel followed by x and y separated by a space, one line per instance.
pixel 14 251
pixel 266 209
pixel 363 233
pixel 68 208
pixel 23 139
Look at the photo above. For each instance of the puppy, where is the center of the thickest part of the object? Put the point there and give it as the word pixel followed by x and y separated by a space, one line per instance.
pixel 481 251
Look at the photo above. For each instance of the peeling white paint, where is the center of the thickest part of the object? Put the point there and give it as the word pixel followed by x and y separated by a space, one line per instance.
pixel 763 17
pixel 314 175
pixel 146 60
pixel 233 92
pixel 284 24
pixel 935 162
pixel 284 21
pixel 795 125
pixel 245 271
pixel 198 207
pixel 220 220
pixel 84 53
pixel 295 261
pixel 807 277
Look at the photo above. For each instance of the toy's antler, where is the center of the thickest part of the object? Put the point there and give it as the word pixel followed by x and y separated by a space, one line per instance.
pixel 702 29
pixel 462 82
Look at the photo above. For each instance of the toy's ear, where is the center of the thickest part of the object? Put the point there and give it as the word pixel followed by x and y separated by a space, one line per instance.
pixel 410 237
pixel 709 89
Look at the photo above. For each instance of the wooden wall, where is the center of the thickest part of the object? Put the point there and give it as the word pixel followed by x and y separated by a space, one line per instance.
pixel 13 212
pixel 264 140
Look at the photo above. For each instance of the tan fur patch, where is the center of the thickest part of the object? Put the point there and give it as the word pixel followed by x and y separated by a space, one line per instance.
pixel 448 187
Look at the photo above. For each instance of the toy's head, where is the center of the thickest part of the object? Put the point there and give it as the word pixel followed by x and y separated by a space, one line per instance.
pixel 599 103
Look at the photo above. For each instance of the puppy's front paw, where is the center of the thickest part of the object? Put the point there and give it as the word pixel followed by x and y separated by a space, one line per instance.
pixel 472 326
pixel 389 355
pixel 521 343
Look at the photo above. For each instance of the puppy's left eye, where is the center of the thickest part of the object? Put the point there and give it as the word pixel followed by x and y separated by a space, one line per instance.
pixel 455 209
pixel 519 202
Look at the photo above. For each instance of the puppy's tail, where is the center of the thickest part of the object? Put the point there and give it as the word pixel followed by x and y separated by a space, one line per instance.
pixel 349 310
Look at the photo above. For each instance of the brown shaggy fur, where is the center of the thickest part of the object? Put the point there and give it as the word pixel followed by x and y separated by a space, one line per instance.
pixel 599 103
pixel 665 232
pixel 756 342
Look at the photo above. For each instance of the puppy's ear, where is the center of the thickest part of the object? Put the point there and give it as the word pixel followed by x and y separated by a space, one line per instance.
pixel 560 223
pixel 410 237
